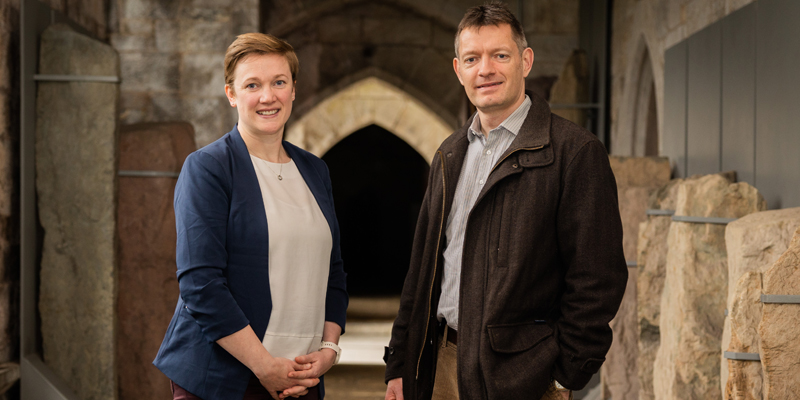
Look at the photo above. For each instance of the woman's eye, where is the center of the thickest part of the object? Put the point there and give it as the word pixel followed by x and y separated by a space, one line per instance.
pixel 251 86
pixel 280 83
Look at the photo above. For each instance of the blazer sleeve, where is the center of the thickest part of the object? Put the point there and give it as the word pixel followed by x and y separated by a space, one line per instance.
pixel 202 202
pixel 336 299
pixel 590 245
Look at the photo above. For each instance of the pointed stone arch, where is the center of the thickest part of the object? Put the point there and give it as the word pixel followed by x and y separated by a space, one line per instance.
pixel 363 103
pixel 638 132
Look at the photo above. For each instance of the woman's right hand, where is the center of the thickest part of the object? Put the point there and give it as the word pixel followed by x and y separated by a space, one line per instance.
pixel 275 377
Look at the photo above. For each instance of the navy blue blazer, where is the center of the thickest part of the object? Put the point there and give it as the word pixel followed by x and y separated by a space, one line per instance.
pixel 222 256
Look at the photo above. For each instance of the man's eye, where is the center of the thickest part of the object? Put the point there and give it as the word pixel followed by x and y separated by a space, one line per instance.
pixel 502 56
pixel 470 59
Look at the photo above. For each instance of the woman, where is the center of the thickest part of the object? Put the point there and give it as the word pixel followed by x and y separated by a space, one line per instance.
pixel 262 287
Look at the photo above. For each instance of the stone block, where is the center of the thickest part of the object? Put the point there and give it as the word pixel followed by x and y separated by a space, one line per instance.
pixel 745 381
pixel 553 16
pixel 131 43
pixel 200 36
pixel 138 8
pixel 166 35
pixel 210 117
pixel 405 31
pixel 157 72
pixel 136 26
pixel 166 107
pixel 203 75
pixel 778 331
pixel 147 284
pixel 651 262
pixel 754 243
pixel 444 39
pixel 636 179
pixel 76 189
pixel 687 364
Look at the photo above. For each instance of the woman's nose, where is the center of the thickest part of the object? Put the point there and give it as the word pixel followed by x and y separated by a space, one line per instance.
pixel 267 95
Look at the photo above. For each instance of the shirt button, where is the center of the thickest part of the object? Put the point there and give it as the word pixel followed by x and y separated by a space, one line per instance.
pixel 480 181
pixel 488 152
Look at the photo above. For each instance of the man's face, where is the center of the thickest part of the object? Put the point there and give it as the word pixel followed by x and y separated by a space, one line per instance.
pixel 491 68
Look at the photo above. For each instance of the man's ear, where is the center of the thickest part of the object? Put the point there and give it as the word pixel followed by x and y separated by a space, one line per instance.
pixel 527 61
pixel 455 68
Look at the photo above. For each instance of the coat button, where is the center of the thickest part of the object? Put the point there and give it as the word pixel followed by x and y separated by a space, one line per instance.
pixel 514 165
pixel 449 155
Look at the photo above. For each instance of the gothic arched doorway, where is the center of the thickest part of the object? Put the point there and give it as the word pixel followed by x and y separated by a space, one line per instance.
pixel 378 185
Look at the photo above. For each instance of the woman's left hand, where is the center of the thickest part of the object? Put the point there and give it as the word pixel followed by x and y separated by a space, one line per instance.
pixel 321 361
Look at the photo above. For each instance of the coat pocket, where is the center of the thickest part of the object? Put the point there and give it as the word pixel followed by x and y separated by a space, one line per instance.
pixel 515 338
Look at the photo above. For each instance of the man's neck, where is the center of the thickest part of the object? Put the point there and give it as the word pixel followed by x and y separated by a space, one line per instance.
pixel 493 118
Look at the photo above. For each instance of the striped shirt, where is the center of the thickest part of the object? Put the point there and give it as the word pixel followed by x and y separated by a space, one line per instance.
pixel 482 155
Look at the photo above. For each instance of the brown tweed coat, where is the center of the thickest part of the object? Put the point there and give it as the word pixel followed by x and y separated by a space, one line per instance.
pixel 543 270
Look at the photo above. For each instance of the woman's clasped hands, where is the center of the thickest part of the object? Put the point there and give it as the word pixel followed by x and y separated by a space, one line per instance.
pixel 285 378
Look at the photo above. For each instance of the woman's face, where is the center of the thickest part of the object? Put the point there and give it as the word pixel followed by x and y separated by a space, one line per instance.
pixel 262 93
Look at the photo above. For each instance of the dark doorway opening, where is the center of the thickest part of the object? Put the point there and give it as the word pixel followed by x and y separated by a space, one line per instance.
pixel 378 185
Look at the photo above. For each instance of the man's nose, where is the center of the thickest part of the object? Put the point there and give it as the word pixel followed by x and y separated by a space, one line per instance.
pixel 486 67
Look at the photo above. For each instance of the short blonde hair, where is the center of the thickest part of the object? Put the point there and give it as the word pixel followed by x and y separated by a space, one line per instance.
pixel 258 43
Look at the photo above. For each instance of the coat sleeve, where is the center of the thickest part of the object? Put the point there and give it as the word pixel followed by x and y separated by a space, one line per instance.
pixel 336 299
pixel 395 355
pixel 202 201
pixel 590 246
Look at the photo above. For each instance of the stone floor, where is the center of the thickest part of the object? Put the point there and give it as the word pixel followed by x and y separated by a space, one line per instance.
pixel 355 382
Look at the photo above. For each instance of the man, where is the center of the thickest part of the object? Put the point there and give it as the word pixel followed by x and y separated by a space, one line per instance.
pixel 517 265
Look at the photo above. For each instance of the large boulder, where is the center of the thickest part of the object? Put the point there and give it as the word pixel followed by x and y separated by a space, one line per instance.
pixel 651 263
pixel 637 178
pixel 148 285
pixel 744 381
pixel 779 330
pixel 754 243
pixel 76 168
pixel 687 364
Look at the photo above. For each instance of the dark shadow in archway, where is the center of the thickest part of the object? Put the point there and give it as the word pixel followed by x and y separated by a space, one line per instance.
pixel 378 185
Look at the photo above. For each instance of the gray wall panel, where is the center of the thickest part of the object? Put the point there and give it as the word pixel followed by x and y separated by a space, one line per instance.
pixel 703 101
pixel 673 141
pixel 738 93
pixel 778 102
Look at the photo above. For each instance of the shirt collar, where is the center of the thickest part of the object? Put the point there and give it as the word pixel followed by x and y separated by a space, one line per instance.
pixel 512 123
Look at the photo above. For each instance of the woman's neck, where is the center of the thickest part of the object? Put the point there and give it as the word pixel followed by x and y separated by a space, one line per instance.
pixel 267 147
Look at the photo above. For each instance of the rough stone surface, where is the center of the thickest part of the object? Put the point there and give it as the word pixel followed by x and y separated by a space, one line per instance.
pixel 148 287
pixel 778 331
pixel 687 364
pixel 754 243
pixel 745 381
pixel 651 262
pixel 76 161
pixel 572 87
pixel 636 179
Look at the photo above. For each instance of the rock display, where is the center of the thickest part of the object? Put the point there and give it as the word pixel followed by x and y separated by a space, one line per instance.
pixel 778 331
pixel 76 161
pixel 637 178
pixel 745 381
pixel 148 286
pixel 687 364
pixel 754 243
pixel 651 262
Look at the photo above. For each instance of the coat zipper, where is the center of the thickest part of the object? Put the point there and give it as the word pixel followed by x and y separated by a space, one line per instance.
pixel 509 155
pixel 435 265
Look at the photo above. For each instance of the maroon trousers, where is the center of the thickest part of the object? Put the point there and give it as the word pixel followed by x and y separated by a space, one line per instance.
pixel 254 392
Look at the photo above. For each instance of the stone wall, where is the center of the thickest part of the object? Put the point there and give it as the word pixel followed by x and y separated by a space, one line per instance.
pixel 646 28
pixel 637 179
pixel 687 363
pixel 171 53
pixel 76 162
pixel 92 15
pixel 148 285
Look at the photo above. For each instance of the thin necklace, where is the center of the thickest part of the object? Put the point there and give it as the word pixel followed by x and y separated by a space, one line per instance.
pixel 280 172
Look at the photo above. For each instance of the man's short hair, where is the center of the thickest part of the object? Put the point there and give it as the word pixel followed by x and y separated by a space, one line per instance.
pixel 258 43
pixel 492 13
